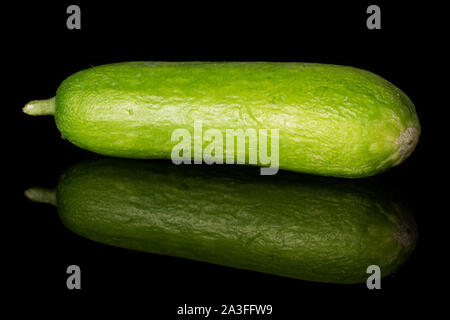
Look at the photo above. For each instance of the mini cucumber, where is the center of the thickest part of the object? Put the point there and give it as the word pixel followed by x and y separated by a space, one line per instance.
pixel 332 120
pixel 293 225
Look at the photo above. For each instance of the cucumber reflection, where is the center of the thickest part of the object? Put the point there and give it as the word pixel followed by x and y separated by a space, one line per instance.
pixel 300 226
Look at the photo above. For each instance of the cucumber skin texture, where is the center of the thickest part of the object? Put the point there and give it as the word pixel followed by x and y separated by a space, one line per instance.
pixel 332 120
pixel 305 227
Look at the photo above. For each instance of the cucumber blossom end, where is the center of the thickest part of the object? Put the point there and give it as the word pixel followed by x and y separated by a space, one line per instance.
pixel 406 142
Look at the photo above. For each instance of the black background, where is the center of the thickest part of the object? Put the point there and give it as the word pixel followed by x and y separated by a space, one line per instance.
pixel 41 52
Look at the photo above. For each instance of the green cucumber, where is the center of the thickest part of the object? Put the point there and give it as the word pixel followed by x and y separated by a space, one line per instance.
pixel 293 225
pixel 332 120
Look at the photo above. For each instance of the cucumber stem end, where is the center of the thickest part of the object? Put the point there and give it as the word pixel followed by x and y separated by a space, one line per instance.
pixel 40 107
pixel 43 195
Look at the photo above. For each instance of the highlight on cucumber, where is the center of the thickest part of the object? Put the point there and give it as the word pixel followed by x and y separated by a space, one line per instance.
pixel 332 120
pixel 293 225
